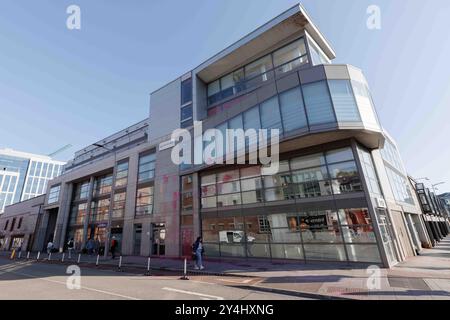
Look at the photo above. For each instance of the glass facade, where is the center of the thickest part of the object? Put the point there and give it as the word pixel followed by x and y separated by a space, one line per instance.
pixel 280 61
pixel 321 174
pixel 336 235
pixel 23 178
pixel 39 173
pixel 301 109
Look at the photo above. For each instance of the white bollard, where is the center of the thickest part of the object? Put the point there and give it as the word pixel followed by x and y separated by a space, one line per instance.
pixel 38 255
pixel 96 262
pixel 120 263
pixel 79 258
pixel 49 256
pixel 185 277
pixel 148 267
pixel 62 258
pixel 28 255
pixel 20 255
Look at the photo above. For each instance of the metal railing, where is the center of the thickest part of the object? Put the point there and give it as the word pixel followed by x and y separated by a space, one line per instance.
pixel 254 81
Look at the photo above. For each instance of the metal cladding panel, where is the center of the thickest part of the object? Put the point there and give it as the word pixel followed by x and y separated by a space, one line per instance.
pixel 165 110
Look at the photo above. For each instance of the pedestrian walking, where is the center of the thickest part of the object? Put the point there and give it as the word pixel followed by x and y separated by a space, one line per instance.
pixel 90 246
pixel 49 247
pixel 198 251
pixel 114 244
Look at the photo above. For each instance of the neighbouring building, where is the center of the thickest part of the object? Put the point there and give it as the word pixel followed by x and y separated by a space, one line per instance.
pixel 18 224
pixel 24 175
pixel 341 193
pixel 434 212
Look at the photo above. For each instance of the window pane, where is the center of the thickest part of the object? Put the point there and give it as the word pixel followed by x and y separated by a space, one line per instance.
pixel 251 184
pixel 228 176
pixel 251 119
pixel 213 88
pixel 354 216
pixel 229 200
pixel 358 234
pixel 343 169
pixel 252 196
pixel 312 174
pixel 325 252
pixel 186 91
pixel 313 160
pixel 186 112
pixel 259 66
pixel 363 253
pixel 292 109
pixel 230 187
pixel 270 115
pixel 344 101
pixel 339 155
pixel 290 53
pixel 209 202
pixel 318 103
pixel 314 189
pixel 345 185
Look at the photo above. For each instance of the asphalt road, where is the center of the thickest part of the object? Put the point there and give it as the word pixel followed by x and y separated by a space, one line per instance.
pixel 42 281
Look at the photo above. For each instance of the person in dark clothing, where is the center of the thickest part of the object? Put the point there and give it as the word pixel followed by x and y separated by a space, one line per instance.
pixel 114 245
pixel 198 251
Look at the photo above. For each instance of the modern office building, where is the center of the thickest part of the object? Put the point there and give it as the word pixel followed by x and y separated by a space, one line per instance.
pixel 340 193
pixel 24 175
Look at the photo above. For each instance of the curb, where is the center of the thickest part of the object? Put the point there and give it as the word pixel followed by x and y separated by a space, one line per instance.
pixel 109 266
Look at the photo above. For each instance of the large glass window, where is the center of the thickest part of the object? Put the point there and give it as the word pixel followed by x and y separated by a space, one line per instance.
pixel 146 167
pixel 285 59
pixel 119 205
pixel 290 56
pixel 103 185
pixel 186 116
pixel 122 174
pixel 100 210
pixel 251 121
pixel 270 115
pixel 260 66
pixel 53 196
pixel 318 103
pixel 186 91
pixel 293 110
pixel 187 199
pixel 344 101
pixel 144 200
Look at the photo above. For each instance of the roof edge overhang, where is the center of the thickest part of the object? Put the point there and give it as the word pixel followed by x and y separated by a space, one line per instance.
pixel 290 22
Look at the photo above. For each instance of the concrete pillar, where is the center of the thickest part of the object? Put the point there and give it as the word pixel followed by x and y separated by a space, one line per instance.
pixel 63 216
pixel 196 205
pixel 130 205
pixel 88 212
pixel 39 242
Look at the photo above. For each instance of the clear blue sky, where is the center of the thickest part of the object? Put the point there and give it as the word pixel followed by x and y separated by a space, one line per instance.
pixel 59 86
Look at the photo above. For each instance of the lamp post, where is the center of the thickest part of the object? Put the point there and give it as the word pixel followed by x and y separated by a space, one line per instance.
pixel 111 203
pixel 434 186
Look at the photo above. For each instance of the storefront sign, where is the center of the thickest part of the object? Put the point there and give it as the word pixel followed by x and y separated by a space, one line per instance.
pixel 166 145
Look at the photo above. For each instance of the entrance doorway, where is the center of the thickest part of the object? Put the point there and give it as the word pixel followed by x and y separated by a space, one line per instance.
pixel 397 216
pixel 386 235
pixel 159 239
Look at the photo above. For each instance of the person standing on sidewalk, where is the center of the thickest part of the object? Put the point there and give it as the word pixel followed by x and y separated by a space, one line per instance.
pixel 198 250
pixel 113 247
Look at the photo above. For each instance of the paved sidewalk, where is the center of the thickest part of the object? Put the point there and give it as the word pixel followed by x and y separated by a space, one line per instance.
pixel 423 277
